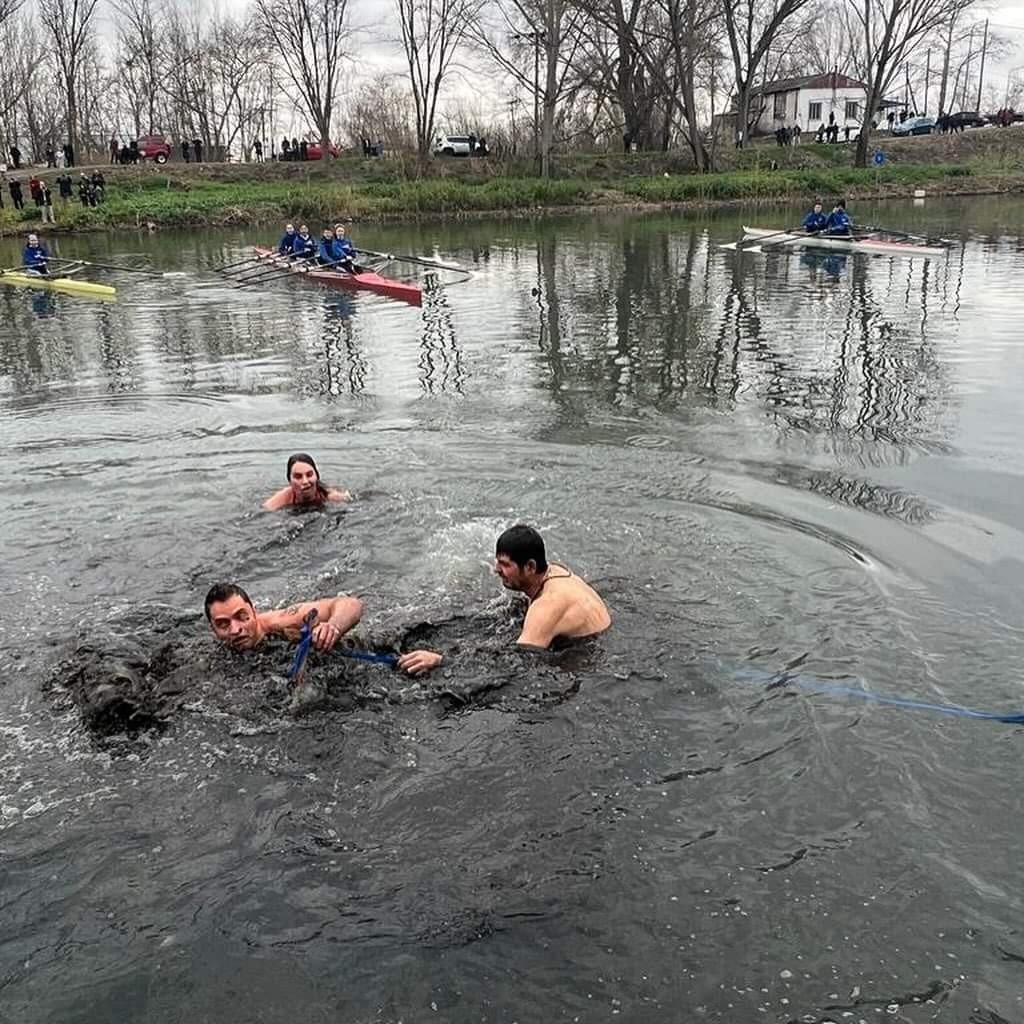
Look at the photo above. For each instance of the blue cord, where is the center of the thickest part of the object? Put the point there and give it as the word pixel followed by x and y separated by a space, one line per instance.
pixel 305 642
pixel 774 679
pixel 390 660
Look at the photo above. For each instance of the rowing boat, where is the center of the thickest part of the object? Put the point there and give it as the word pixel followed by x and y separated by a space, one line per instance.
pixel 60 284
pixel 366 280
pixel 869 244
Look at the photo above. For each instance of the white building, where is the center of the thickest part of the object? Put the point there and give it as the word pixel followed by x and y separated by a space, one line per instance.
pixel 808 101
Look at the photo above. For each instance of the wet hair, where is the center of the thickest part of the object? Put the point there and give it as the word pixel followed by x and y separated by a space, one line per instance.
pixel 308 459
pixel 522 543
pixel 221 592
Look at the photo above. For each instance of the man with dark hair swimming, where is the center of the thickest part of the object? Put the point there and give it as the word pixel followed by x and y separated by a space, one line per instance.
pixel 561 604
pixel 236 622
pixel 304 486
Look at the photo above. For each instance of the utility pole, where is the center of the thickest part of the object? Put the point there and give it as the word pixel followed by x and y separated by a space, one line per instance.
pixel 981 73
pixel 945 67
pixel 927 76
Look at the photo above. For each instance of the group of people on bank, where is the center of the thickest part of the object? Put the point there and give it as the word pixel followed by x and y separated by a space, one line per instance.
pixel 561 604
pixel 333 249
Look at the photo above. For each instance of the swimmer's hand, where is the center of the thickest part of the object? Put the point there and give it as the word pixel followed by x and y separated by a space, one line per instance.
pixel 417 663
pixel 326 635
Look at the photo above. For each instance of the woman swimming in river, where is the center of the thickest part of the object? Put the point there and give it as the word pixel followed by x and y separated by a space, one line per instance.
pixel 304 486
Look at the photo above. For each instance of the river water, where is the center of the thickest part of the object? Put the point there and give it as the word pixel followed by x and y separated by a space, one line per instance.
pixel 772 467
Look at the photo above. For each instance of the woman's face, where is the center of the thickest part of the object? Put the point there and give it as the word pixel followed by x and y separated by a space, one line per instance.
pixel 303 480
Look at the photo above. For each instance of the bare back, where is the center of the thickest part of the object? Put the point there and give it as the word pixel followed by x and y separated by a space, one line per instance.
pixel 567 606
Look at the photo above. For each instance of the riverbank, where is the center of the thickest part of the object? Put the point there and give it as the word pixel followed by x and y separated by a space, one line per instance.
pixel 215 195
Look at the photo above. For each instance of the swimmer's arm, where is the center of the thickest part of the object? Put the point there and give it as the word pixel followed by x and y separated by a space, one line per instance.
pixel 542 622
pixel 334 494
pixel 335 616
pixel 280 499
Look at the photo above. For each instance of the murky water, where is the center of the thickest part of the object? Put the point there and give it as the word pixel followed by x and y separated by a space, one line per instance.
pixel 762 462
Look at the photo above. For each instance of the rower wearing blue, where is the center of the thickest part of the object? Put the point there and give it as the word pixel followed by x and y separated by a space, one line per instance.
pixel 344 251
pixel 287 244
pixel 816 221
pixel 34 257
pixel 325 251
pixel 304 245
pixel 839 222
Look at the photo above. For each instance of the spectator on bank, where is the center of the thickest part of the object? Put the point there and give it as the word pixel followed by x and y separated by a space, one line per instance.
pixel 796 133
pixel 295 148
pixel 51 156
pixel 14 187
pixel 257 148
pixel 115 149
pixel 303 150
pixel 197 150
pixel 186 152
pixel 69 154
pixel 481 147
pixel 47 205
pixel 65 187
pixel 16 157
pixel 35 190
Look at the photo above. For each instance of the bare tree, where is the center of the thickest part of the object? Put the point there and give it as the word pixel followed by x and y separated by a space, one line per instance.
pixel 19 70
pixel 752 28
pixel 535 43
pixel 380 110
pixel 140 56
pixel 310 38
pixel 890 29
pixel 432 32
pixel 69 23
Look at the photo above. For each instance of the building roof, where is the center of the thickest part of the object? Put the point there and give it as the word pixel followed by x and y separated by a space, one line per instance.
pixel 827 81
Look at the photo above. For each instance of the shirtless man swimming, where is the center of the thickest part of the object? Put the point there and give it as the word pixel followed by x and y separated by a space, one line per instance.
pixel 304 486
pixel 235 621
pixel 561 604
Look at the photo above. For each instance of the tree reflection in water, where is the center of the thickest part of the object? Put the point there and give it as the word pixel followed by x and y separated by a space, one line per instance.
pixel 440 360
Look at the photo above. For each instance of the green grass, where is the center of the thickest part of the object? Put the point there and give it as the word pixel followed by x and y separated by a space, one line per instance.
pixel 171 200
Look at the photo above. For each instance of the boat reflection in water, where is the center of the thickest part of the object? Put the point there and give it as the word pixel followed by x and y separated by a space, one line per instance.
pixel 828 264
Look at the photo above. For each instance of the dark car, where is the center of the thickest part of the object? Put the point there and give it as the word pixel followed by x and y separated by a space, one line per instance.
pixel 155 148
pixel 966 119
pixel 914 126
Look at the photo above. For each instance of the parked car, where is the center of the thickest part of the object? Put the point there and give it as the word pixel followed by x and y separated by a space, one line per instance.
pixel 155 148
pixel 314 152
pixel 966 119
pixel 452 145
pixel 914 126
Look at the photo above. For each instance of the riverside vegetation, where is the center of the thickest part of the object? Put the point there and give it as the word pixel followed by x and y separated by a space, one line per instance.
pixel 982 162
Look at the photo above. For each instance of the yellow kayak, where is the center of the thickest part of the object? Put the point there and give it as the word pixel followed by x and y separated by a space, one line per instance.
pixel 63 284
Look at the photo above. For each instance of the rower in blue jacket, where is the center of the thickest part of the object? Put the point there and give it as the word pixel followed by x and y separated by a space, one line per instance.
pixel 304 246
pixel 325 250
pixel 344 251
pixel 35 256
pixel 287 244
pixel 839 222
pixel 816 221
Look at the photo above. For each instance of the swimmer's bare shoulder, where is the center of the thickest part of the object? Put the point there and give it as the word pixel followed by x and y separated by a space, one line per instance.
pixel 278 500
pixel 567 607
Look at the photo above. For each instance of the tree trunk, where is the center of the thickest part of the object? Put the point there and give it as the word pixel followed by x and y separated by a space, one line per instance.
pixel 945 68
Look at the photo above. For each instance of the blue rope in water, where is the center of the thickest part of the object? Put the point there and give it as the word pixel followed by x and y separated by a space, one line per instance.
pixel 391 660
pixel 775 679
pixel 306 641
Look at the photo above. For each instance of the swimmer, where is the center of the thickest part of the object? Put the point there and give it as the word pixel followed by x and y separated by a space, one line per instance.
pixel 561 604
pixel 304 487
pixel 236 622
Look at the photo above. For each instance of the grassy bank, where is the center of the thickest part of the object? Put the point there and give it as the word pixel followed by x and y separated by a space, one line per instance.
pixel 215 195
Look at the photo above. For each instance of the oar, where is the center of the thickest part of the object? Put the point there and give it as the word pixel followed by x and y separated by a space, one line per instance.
pixel 269 268
pixel 119 266
pixel 756 247
pixel 440 264
pixel 905 234
pixel 229 266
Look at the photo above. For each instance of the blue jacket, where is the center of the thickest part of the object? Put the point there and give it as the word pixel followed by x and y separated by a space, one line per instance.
pixel 325 250
pixel 305 247
pixel 343 249
pixel 287 243
pixel 35 256
pixel 839 223
pixel 815 222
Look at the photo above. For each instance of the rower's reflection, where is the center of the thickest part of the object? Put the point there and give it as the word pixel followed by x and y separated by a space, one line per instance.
pixel 440 362
pixel 343 370
pixel 827 264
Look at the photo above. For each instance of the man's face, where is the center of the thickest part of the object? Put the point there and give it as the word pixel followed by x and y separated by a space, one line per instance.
pixel 513 576
pixel 817 207
pixel 303 481
pixel 234 623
